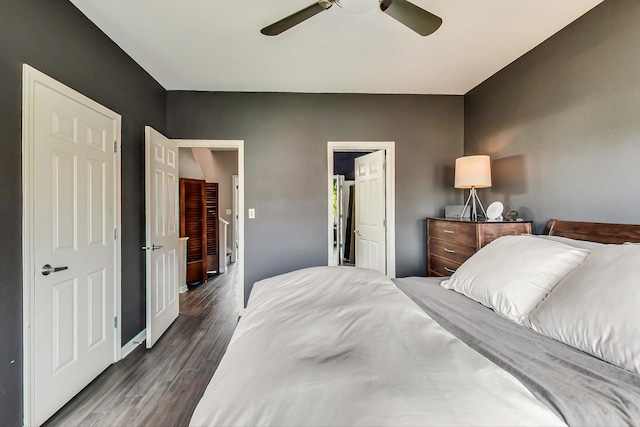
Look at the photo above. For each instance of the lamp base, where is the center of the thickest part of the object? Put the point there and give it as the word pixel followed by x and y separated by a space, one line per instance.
pixel 473 197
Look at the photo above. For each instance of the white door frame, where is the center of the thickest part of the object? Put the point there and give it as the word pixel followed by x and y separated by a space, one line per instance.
pixel 239 146
pixel 235 216
pixel 29 78
pixel 390 175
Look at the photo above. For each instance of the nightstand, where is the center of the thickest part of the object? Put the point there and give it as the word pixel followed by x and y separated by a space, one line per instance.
pixel 451 241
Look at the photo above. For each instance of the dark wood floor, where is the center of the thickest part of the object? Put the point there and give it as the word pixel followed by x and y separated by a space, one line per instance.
pixel 161 386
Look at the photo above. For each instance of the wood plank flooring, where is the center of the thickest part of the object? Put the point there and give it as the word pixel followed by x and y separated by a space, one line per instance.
pixel 161 386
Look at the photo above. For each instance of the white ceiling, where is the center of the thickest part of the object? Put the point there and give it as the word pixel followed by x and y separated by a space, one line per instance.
pixel 216 45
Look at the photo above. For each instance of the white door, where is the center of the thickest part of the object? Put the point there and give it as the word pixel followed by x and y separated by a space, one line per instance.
pixel 162 230
pixel 338 242
pixel 74 249
pixel 370 227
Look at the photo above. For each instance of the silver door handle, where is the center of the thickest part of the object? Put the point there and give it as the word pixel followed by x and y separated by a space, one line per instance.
pixel 357 232
pixel 47 269
pixel 153 247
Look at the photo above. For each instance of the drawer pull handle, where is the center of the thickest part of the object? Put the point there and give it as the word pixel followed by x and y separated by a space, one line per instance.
pixel 449 231
pixel 449 251
pixel 450 270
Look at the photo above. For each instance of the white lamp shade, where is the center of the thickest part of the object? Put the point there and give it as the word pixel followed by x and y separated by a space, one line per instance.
pixel 473 171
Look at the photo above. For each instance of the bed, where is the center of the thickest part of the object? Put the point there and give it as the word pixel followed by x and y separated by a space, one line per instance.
pixel 338 346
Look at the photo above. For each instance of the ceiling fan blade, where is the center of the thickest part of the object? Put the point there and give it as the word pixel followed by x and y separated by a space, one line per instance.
pixel 412 16
pixel 296 18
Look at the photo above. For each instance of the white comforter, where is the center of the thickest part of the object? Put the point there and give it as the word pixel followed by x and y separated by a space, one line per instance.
pixel 340 346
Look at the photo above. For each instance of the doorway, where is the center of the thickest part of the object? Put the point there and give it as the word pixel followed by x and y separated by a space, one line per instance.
pixel 238 203
pixel 334 225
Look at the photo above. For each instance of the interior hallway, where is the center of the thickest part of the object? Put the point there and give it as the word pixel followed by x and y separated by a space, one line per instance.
pixel 161 386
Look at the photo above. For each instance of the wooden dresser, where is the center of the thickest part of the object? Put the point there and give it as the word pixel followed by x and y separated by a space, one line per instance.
pixel 450 242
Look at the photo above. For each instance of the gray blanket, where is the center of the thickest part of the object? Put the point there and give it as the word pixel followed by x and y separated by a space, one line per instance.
pixel 580 388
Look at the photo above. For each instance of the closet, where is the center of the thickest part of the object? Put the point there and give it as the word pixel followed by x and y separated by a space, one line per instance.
pixel 199 222
pixel 213 260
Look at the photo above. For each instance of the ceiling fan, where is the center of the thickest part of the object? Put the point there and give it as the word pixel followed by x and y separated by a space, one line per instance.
pixel 408 14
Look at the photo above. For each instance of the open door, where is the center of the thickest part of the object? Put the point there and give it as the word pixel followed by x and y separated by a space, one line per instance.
pixel 338 229
pixel 370 228
pixel 161 188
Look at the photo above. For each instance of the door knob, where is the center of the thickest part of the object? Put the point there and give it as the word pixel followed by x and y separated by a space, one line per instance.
pixel 357 232
pixel 47 269
pixel 153 247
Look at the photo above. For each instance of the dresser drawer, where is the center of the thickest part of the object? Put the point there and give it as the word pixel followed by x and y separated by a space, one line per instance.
pixel 489 232
pixel 460 232
pixel 451 242
pixel 450 250
pixel 442 267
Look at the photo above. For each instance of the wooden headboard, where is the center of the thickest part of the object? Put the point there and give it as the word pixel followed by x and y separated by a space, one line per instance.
pixel 594 231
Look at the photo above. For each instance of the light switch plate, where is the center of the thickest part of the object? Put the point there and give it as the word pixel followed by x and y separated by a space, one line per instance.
pixel 228 211
pixel 252 213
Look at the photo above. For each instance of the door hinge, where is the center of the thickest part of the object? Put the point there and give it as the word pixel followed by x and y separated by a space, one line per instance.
pixel 115 146
pixel 384 222
pixel 115 234
pixel 115 322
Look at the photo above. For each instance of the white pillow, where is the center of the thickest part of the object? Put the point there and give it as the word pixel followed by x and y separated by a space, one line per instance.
pixel 583 244
pixel 513 274
pixel 596 308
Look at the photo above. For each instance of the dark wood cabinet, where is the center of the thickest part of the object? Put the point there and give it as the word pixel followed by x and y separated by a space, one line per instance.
pixel 213 257
pixel 199 222
pixel 193 222
pixel 450 242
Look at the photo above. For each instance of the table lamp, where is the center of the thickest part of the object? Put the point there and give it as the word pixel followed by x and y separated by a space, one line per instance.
pixel 473 172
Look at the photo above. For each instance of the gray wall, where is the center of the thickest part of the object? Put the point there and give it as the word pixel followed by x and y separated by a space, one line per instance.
pixel 286 164
pixel 188 166
pixel 225 165
pixel 562 123
pixel 54 37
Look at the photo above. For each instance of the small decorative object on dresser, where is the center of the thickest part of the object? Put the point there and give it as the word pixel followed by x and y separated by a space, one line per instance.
pixel 450 242
pixel 494 211
pixel 511 216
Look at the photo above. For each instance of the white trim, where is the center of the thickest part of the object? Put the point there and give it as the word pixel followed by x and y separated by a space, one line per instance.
pixel 133 344
pixel 29 78
pixel 390 150
pixel 117 194
pixel 238 145
pixel 235 189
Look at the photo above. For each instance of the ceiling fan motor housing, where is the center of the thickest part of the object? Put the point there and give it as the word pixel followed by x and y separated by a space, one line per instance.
pixel 403 11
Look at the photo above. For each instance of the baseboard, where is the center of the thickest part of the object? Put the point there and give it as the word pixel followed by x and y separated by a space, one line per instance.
pixel 184 288
pixel 134 343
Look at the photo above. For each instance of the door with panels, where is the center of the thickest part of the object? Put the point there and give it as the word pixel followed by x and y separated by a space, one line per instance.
pixel 212 232
pixel 162 230
pixel 193 224
pixel 370 210
pixel 73 242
